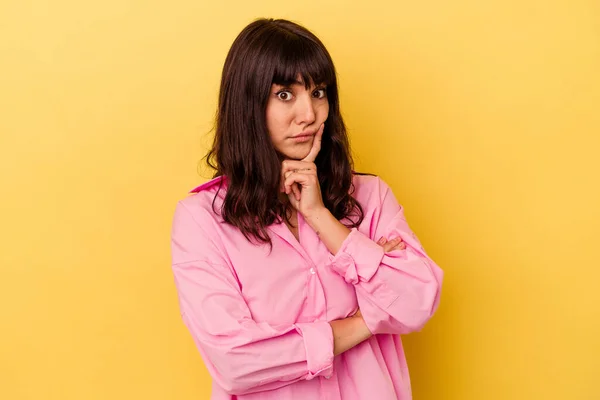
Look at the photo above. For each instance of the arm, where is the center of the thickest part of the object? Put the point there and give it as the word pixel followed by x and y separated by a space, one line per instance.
pixel 244 356
pixel 397 291
pixel 349 332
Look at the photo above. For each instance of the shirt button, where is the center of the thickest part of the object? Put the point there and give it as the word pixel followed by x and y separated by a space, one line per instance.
pixel 312 271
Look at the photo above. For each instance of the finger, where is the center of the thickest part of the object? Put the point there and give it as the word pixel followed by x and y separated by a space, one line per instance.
pixel 392 244
pixel 295 188
pixel 293 165
pixel 389 246
pixel 400 246
pixel 302 179
pixel 381 241
pixel 316 147
pixel 289 166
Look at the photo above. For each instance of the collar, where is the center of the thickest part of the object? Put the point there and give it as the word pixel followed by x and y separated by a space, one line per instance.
pixel 209 184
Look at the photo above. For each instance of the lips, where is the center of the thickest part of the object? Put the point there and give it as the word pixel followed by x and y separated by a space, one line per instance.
pixel 302 138
pixel 304 135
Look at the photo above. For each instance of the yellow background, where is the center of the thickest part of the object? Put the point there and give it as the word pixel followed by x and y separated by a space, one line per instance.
pixel 484 117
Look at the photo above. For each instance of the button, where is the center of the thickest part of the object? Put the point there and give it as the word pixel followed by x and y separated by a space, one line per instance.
pixel 312 271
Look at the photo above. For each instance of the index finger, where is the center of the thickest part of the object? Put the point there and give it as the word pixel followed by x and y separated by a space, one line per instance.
pixel 316 147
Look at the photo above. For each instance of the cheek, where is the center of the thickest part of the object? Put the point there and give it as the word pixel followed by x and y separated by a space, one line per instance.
pixel 278 120
pixel 275 129
pixel 323 112
pixel 271 119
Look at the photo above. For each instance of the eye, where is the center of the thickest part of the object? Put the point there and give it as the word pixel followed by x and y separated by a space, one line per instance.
pixel 320 93
pixel 284 95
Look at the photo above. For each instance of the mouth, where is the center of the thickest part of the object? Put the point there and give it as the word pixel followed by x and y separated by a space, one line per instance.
pixel 303 137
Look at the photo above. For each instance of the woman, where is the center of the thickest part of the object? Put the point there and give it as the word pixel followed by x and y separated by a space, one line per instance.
pixel 295 275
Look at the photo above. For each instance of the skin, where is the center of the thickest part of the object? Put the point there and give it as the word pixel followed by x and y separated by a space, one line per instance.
pixel 291 111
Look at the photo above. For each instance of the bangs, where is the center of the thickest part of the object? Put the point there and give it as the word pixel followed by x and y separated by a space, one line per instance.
pixel 301 57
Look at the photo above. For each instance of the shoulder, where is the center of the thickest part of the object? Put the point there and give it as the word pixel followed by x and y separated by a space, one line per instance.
pixel 365 185
pixel 204 202
pixel 372 192
pixel 197 228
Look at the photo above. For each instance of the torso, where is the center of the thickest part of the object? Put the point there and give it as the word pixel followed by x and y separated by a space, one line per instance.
pixel 290 281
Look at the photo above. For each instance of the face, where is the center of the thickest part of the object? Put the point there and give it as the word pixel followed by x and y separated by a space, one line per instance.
pixel 294 115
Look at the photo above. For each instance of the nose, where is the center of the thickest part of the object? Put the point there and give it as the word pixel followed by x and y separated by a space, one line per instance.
pixel 305 112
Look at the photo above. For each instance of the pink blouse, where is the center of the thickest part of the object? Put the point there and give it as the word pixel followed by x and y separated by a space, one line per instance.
pixel 259 317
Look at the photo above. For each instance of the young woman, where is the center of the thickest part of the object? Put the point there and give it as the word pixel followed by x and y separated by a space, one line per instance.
pixel 295 275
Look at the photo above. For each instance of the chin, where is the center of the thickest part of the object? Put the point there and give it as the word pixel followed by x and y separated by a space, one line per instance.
pixel 297 153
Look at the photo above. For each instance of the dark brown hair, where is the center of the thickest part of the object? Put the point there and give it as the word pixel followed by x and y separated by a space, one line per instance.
pixel 274 51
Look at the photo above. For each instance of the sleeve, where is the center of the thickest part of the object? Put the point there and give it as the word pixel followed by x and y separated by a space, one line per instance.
pixel 242 356
pixel 399 291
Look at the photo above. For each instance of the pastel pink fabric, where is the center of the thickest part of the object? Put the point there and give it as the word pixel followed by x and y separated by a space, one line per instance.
pixel 259 317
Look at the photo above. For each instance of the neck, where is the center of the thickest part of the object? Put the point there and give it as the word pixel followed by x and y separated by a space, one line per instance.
pixel 283 198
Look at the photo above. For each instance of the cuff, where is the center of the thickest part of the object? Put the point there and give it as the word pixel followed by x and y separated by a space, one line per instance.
pixel 358 258
pixel 318 343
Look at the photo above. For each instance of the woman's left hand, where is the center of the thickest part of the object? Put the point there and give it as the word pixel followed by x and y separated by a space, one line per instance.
pixel 301 182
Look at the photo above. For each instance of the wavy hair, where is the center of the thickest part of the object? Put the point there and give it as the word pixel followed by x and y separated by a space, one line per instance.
pixel 269 51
